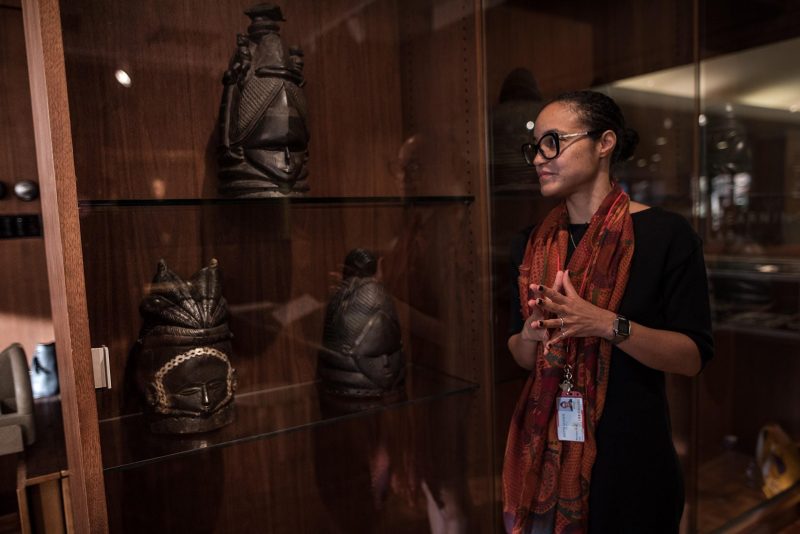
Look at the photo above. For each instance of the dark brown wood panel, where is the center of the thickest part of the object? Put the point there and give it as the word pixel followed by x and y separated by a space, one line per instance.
pixel 280 261
pixel 279 290
pixel 158 136
pixel 24 296
pixel 632 38
pixel 557 49
pixel 121 251
pixel 361 475
pixel 586 43
pixel 280 264
pixel 440 105
pixel 353 73
pixel 17 150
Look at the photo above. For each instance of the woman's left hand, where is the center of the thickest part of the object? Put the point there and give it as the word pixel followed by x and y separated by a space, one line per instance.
pixel 575 316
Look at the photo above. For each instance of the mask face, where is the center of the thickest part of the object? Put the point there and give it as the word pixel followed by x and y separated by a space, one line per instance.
pixel 383 370
pixel 198 387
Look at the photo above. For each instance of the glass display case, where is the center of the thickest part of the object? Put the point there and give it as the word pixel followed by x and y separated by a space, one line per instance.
pixel 714 96
pixel 127 110
pixel 748 423
pixel 412 114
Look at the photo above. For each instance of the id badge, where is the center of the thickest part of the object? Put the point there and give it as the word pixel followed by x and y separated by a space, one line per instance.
pixel 570 417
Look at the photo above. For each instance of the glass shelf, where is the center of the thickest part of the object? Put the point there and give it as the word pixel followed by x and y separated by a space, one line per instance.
pixel 20 226
pixel 753 330
pixel 127 441
pixel 753 268
pixel 303 201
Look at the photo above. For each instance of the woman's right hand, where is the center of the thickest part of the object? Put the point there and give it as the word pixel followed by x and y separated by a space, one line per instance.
pixel 524 346
pixel 532 331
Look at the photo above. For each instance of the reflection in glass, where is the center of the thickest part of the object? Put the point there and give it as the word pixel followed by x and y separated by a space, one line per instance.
pixel 363 348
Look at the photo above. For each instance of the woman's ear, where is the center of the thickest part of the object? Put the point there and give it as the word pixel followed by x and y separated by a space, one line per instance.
pixel 607 143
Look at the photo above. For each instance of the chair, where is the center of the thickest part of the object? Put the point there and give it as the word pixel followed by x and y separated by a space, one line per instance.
pixel 16 399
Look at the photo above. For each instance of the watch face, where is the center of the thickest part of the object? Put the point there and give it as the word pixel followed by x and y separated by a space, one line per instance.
pixel 622 327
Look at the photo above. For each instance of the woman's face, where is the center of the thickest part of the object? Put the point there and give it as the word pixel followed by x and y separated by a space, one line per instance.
pixel 578 163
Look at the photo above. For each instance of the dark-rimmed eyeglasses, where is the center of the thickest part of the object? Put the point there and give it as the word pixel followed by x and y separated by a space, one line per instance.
pixel 549 145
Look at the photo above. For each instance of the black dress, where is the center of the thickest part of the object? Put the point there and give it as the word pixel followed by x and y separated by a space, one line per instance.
pixel 637 484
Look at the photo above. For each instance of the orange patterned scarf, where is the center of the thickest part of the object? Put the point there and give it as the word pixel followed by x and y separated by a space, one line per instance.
pixel 546 481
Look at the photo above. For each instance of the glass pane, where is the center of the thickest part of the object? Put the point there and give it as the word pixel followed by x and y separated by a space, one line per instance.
pixel 536 51
pixel 747 423
pixel 24 294
pixel 394 166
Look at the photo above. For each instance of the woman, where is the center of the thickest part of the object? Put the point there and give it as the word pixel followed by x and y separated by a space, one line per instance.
pixel 613 295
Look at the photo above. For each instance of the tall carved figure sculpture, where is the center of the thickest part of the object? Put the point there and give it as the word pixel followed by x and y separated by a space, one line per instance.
pixel 263 114
pixel 363 354
pixel 182 354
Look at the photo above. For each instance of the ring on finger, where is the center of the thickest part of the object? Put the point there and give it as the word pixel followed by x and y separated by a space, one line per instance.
pixel 562 323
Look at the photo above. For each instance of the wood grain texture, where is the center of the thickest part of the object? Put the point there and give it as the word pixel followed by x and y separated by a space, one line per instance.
pixel 159 136
pixel 24 296
pixel 555 48
pixel 17 150
pixel 480 434
pixel 388 71
pixel 64 260
pixel 277 276
pixel 362 475
pixel 627 42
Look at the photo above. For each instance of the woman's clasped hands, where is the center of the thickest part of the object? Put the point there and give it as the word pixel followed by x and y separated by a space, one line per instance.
pixel 561 309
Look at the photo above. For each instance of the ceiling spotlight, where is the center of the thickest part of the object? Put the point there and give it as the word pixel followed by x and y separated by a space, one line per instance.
pixel 529 125
pixel 701 119
pixel 655 158
pixel 661 141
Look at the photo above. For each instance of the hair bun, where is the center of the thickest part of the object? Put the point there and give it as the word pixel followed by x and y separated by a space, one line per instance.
pixel 628 143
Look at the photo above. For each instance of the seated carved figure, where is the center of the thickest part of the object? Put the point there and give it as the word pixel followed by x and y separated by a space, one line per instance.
pixel 363 354
pixel 182 354
pixel 263 114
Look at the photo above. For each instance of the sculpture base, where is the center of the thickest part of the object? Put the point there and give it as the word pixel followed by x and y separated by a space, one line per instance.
pixel 168 424
pixel 252 188
pixel 332 403
pixel 355 384
pixel 265 193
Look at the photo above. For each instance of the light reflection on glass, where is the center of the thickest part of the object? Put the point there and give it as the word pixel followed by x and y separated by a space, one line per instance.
pixel 123 78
